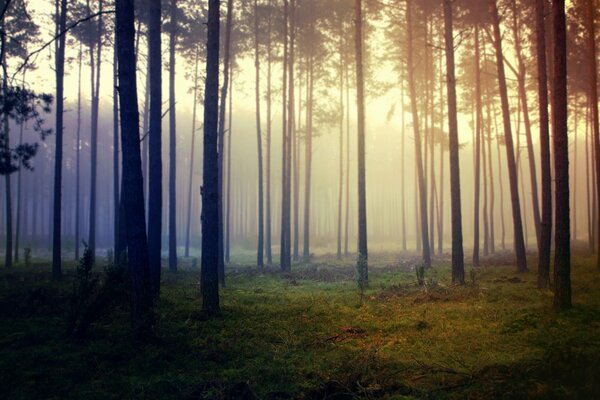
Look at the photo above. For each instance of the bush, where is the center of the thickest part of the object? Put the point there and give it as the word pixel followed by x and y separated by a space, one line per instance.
pixel 94 296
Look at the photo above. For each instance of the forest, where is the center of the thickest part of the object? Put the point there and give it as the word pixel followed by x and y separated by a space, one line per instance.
pixel 299 199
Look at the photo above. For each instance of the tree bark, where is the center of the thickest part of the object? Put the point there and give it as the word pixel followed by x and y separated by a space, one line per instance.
pixel 209 280
pixel 562 233
pixel 593 95
pixel 172 142
pixel 458 270
pixel 193 146
pixel 477 149
pixel 155 146
pixel 422 190
pixel 60 77
pixel 362 260
pixel 95 65
pixel 137 244
pixel 260 242
pixel 519 242
pixel 221 140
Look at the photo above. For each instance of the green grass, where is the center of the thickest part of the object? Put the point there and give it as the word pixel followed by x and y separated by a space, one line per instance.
pixel 311 334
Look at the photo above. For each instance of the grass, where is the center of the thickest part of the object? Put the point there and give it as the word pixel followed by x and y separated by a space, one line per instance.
pixel 310 334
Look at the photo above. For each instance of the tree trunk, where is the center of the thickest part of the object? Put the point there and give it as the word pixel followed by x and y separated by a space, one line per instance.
pixel 519 242
pixel 290 129
pixel 193 146
pixel 546 217
pixel 172 142
pixel 362 263
pixel 60 77
pixel 562 233
pixel 477 149
pixel 116 194
pixel 284 236
pixel 210 190
pixel 308 154
pixel 260 243
pixel 78 155
pixel 341 148
pixel 458 270
pixel 228 217
pixel 418 148
pixel 221 140
pixel 133 202
pixel 268 244
pixel 95 65
pixel 155 147
pixel 593 94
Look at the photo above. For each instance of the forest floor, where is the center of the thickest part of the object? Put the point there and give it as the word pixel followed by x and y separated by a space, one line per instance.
pixel 310 334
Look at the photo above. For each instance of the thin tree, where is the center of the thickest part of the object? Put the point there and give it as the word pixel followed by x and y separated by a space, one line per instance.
pixel 155 145
pixel 519 242
pixel 221 141
pixel 133 203
pixel 422 192
pixel 209 279
pixel 562 233
pixel 116 196
pixel 172 141
pixel 593 95
pixel 458 269
pixel 58 157
pixel 362 259
pixel 478 134
pixel 260 243
pixel 268 250
pixel 546 195
pixel 193 146
pixel 95 50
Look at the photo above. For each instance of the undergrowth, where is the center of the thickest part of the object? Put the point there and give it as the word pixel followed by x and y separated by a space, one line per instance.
pixel 308 334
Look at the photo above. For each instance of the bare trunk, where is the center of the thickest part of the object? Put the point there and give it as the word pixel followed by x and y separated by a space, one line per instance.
pixel 519 243
pixel 193 146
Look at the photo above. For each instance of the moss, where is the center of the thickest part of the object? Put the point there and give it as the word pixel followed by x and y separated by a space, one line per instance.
pixel 307 333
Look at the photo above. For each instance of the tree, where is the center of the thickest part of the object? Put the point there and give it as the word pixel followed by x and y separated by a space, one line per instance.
pixel 221 144
pixel 172 140
pixel 546 197
pixel 562 233
pixel 519 242
pixel 209 279
pixel 458 269
pixel 57 209
pixel 133 201
pixel 362 260
pixel 593 96
pixel 155 145
pixel 422 195
pixel 260 244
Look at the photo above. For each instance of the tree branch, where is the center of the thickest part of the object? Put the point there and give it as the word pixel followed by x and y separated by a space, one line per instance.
pixel 58 36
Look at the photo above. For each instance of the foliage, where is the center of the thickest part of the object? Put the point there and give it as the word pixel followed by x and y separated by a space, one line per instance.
pixel 21 105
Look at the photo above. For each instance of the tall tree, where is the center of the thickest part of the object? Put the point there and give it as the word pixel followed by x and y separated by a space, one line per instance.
pixel 116 197
pixel 458 270
pixel 133 202
pixel 267 246
pixel 95 51
pixel 192 153
pixel 155 145
pixel 221 141
pixel 362 259
pixel 519 242
pixel 562 233
pixel 593 96
pixel 209 279
pixel 260 244
pixel 172 140
pixel 58 157
pixel 546 199
pixel 422 189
